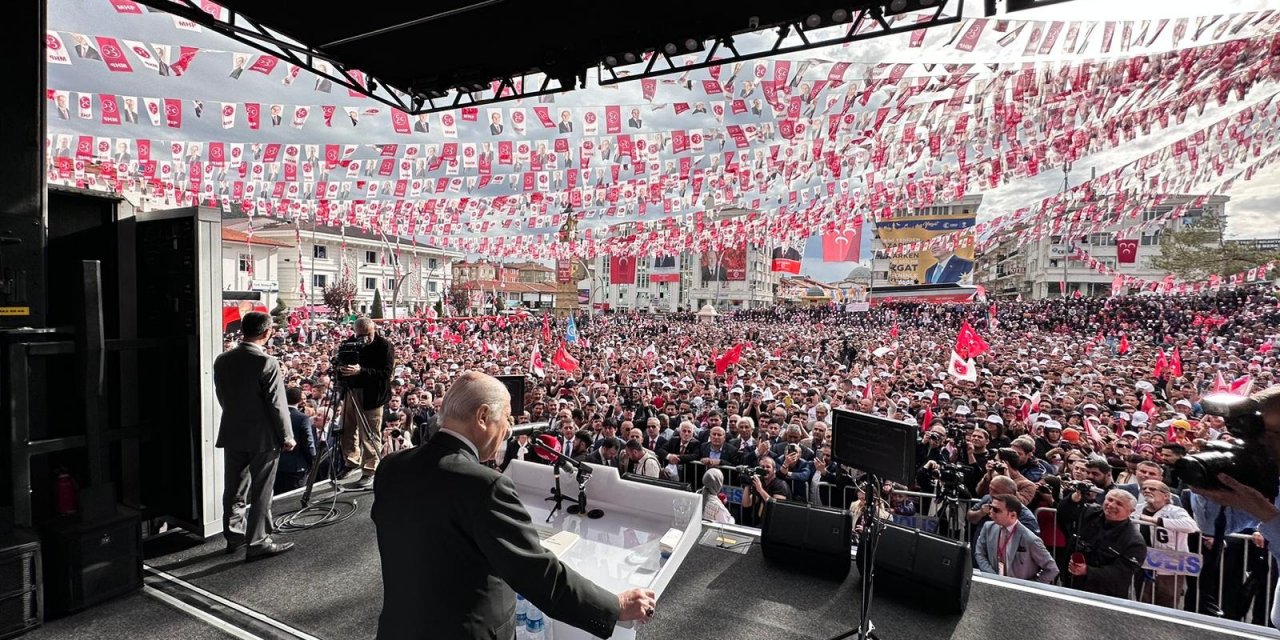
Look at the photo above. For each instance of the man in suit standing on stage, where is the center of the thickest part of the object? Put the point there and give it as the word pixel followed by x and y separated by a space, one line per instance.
pixel 1007 547
pixel 294 465
pixel 255 427
pixel 455 540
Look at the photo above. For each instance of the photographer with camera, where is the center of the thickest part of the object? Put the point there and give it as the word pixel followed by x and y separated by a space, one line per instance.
pixel 364 363
pixel 1106 548
pixel 1002 465
pixel 1235 485
pixel 762 483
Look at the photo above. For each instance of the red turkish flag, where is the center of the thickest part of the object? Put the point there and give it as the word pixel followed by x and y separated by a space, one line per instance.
pixel 728 359
pixel 622 270
pixel 843 246
pixel 564 359
pixel 968 343
pixel 1126 251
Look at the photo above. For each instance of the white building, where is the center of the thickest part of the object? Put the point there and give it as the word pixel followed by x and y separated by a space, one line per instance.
pixel 1039 269
pixel 756 290
pixel 252 264
pixel 421 278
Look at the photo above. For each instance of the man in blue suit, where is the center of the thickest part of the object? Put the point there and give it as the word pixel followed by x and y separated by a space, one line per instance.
pixel 948 270
pixel 294 465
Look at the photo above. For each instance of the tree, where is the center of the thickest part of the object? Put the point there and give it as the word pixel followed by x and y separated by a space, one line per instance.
pixel 1199 250
pixel 459 297
pixel 280 315
pixel 439 308
pixel 375 311
pixel 499 303
pixel 339 296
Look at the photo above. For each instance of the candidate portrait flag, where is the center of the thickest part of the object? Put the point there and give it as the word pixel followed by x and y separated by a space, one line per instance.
pixel 1126 251
pixel 665 269
pixel 785 260
pixel 622 270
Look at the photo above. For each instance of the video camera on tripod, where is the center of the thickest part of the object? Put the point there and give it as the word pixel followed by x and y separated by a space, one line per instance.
pixel 348 353
pixel 745 473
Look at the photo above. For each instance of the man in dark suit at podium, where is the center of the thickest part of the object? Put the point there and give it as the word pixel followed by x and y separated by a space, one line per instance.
pixel 455 539
pixel 255 427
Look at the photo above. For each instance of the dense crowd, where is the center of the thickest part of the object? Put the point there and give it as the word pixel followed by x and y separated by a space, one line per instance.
pixel 1100 391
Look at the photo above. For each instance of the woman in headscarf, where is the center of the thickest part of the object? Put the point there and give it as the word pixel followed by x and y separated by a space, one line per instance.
pixel 712 508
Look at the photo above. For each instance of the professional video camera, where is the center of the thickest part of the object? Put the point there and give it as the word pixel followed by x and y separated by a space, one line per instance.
pixel 1247 463
pixel 348 353
pixel 951 473
pixel 1083 486
pixel 746 472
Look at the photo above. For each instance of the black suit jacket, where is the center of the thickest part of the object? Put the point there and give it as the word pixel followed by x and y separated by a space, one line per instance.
pixel 513 453
pixel 377 362
pixel 455 540
pixel 728 456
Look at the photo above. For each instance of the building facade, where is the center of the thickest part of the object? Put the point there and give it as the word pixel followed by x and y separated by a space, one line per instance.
pixel 407 273
pixel 1044 268
pixel 697 286
pixel 917 224
pixel 252 264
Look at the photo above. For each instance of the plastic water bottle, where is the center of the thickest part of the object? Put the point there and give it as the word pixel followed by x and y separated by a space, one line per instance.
pixel 522 617
pixel 535 625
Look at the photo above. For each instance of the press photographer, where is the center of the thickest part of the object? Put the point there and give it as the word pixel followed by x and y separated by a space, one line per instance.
pixel 364 364
pixel 1242 476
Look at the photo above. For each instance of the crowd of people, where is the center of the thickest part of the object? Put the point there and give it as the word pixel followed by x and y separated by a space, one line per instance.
pixel 1060 454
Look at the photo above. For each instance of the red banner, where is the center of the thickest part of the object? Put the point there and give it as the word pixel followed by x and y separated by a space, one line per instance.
pixel 613 119
pixel 265 64
pixel 843 246
pixel 1126 251
pixel 173 113
pixel 622 269
pixel 113 55
pixel 110 109
pixel 399 121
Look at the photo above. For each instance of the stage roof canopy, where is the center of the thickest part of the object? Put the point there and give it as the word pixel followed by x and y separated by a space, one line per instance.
pixel 427 52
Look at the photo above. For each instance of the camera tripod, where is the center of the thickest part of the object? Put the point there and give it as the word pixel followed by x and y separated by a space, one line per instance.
pixel 332 510
pixel 950 512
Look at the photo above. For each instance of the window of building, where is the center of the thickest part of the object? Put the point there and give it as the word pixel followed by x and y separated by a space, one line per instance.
pixel 370 283
pixel 1101 239
pixel 244 264
pixel 391 284
pixel 371 257
pixel 431 263
pixel 431 286
pixel 1150 238
pixel 319 280
pixel 320 252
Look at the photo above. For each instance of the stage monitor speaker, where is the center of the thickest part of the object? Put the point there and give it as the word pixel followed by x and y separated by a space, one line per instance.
pixel 88 563
pixel 813 539
pixel 21 606
pixel 515 385
pixel 935 572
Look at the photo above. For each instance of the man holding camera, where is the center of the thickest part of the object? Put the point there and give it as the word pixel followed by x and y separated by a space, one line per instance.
pixel 1107 550
pixel 1233 495
pixel 368 387
pixel 760 489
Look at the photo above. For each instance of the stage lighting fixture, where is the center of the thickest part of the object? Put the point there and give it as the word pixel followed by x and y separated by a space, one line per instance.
pixel 610 61
pixel 813 21
pixel 671 49
pixel 898 6
pixel 692 45
pixel 629 58
pixel 839 15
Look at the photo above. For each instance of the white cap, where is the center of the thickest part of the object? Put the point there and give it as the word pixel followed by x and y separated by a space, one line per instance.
pixel 963 410
pixel 995 419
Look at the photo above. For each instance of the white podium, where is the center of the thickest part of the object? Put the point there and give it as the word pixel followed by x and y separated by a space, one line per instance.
pixel 619 551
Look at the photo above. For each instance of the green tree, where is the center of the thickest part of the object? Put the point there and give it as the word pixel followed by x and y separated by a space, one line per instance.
pixel 280 315
pixel 1200 249
pixel 460 297
pixel 439 308
pixel 339 296
pixel 375 311
pixel 499 303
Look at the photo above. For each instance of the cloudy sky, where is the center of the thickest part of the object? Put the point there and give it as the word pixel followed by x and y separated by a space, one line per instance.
pixel 1251 211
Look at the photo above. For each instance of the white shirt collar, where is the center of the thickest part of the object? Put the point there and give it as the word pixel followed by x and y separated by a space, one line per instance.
pixel 465 440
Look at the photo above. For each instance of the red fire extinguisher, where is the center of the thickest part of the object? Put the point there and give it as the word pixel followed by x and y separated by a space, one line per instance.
pixel 64 493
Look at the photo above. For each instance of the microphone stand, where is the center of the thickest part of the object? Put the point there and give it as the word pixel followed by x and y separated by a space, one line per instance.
pixel 578 505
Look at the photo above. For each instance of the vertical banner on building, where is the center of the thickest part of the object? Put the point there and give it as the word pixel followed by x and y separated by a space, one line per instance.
pixel 622 270
pixel 948 265
pixel 665 269
pixel 1126 251
pixel 786 259
pixel 726 265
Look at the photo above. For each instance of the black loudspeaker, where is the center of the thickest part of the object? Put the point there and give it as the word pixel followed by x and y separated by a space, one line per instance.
pixel 88 563
pixel 515 385
pixel 812 539
pixel 934 572
pixel 21 608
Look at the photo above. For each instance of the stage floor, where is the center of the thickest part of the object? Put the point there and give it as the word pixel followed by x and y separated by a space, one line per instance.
pixel 330 587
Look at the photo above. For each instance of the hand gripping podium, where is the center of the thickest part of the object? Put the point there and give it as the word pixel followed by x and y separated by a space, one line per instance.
pixel 619 550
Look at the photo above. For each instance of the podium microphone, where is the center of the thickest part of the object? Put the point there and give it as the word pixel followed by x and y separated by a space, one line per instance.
pixel 530 429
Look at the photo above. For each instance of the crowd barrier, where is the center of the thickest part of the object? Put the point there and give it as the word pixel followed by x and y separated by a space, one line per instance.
pixel 1237 577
